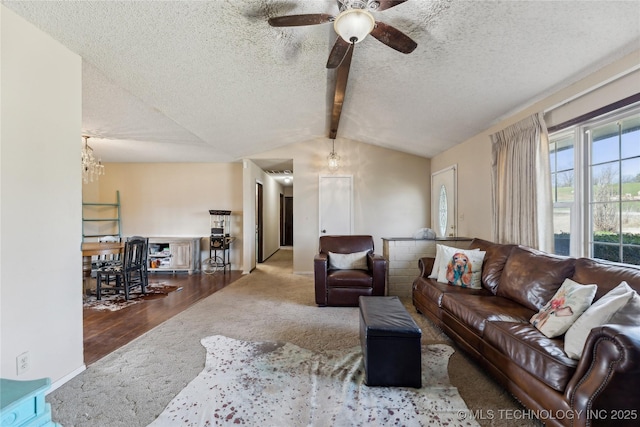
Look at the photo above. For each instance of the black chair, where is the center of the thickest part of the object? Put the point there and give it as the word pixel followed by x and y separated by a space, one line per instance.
pixel 145 260
pixel 130 274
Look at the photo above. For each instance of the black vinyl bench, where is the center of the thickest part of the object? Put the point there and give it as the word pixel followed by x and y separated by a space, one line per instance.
pixel 390 342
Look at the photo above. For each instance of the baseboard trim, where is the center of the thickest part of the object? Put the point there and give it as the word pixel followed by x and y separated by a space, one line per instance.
pixel 66 378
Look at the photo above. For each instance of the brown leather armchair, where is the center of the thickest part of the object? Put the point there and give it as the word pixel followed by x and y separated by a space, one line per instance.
pixel 342 287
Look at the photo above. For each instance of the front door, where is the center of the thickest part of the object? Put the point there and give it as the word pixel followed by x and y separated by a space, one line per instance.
pixel 443 202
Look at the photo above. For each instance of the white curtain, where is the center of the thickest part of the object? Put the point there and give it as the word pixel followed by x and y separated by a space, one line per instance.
pixel 521 185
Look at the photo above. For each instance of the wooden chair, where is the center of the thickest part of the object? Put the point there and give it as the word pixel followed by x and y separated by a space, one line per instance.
pixel 145 260
pixel 129 274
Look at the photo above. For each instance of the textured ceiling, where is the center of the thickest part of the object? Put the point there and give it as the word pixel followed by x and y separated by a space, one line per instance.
pixel 212 81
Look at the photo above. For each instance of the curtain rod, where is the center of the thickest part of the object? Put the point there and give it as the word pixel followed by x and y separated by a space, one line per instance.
pixel 595 113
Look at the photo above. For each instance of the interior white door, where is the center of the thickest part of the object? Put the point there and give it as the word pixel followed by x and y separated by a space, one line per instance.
pixel 336 205
pixel 444 220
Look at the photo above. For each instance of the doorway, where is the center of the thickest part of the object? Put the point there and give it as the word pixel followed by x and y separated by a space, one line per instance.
pixel 259 223
pixel 286 220
pixel 336 205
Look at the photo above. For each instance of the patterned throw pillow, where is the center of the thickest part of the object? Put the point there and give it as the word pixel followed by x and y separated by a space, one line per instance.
pixel 441 261
pixel 569 302
pixel 352 261
pixel 461 267
pixel 598 314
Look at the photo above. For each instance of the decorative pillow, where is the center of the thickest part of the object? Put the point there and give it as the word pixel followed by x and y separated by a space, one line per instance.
pixel 352 261
pixel 598 314
pixel 440 261
pixel 461 267
pixel 629 314
pixel 571 300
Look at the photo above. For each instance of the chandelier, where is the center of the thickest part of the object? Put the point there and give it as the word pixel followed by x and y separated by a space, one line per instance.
pixel 333 159
pixel 91 168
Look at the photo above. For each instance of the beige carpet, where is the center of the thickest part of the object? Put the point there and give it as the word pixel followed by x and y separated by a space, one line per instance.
pixel 131 386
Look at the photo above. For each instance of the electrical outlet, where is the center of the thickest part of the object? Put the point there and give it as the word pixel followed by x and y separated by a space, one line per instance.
pixel 22 363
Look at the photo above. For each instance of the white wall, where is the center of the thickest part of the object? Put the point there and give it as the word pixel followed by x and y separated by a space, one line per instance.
pixel 473 156
pixel 391 192
pixel 173 199
pixel 41 273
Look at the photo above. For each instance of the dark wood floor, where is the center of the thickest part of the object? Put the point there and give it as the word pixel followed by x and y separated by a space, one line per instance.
pixel 105 331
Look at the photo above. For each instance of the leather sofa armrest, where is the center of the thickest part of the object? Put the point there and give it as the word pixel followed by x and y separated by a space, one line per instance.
pixel 378 266
pixel 426 265
pixel 607 376
pixel 320 266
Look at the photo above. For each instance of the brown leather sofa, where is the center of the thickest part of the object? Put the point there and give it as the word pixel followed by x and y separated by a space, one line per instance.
pixel 492 325
pixel 342 287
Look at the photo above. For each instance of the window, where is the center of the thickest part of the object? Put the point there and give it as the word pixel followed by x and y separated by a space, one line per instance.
pixel 595 176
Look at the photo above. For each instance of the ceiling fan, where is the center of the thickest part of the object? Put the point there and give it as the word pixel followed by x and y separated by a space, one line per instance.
pixel 353 24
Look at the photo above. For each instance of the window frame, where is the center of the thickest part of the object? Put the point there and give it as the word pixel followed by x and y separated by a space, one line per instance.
pixel 581 208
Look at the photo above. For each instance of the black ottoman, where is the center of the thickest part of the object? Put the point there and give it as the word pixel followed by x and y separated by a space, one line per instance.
pixel 390 342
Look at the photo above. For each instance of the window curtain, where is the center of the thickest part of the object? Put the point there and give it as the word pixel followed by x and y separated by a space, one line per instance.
pixel 521 185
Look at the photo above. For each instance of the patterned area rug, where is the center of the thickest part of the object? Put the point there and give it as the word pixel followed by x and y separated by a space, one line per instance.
pixel 280 384
pixel 114 302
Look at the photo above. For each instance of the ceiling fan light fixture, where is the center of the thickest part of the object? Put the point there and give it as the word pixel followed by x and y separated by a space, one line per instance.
pixel 353 25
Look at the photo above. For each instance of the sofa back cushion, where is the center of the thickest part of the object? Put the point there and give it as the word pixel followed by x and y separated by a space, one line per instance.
pixel 606 275
pixel 494 261
pixel 532 278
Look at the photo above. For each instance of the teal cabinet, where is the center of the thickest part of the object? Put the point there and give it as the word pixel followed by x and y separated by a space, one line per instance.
pixel 22 403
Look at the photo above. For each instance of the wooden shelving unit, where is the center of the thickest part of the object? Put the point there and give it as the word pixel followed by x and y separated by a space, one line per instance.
pixel 101 216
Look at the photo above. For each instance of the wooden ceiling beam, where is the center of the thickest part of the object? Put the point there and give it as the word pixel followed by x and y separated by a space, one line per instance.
pixel 342 75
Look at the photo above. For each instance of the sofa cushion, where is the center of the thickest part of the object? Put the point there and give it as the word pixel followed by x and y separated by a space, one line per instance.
pixel 461 267
pixel 532 277
pixel 349 279
pixel 434 290
pixel 475 310
pixel 494 261
pixel 557 315
pixel 607 275
pixel 542 357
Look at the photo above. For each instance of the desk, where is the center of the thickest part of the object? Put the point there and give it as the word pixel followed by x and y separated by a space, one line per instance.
pixel 90 249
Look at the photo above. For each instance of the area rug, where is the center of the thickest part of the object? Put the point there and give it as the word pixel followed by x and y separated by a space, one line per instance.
pixel 114 302
pixel 280 384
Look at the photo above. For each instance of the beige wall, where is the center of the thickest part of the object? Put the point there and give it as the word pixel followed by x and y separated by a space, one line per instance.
pixel 391 192
pixel 173 199
pixel 40 278
pixel 473 156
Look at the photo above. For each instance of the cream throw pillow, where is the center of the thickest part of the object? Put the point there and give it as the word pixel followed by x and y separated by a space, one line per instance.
pixel 461 267
pixel 352 261
pixel 598 314
pixel 569 302
pixel 440 261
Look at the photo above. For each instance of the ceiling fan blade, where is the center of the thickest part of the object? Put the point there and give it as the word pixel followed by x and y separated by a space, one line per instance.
pixel 342 75
pixel 338 52
pixel 300 20
pixel 388 4
pixel 393 38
